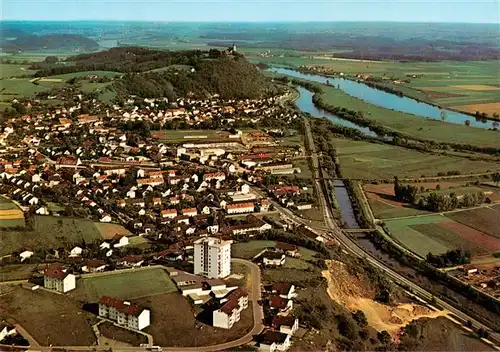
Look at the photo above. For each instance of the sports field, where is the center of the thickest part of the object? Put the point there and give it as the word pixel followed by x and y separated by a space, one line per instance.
pixel 49 232
pixel 438 233
pixel 366 160
pixel 125 285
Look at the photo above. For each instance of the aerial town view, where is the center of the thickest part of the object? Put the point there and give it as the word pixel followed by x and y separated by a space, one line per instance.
pixel 249 175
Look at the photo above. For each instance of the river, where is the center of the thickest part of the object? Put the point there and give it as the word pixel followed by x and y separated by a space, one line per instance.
pixel 388 100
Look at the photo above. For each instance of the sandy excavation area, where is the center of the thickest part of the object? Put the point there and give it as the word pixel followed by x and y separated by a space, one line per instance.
pixel 353 294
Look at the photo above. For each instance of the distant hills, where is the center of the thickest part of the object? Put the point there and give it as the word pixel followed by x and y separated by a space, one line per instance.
pixel 15 40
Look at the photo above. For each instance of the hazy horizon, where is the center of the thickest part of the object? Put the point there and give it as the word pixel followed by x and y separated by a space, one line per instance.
pixel 406 11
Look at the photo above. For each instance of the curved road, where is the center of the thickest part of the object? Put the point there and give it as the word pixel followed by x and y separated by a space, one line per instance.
pixel 258 318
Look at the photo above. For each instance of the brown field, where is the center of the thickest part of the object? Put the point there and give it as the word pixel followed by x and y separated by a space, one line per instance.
pixel 49 317
pixel 472 236
pixel 477 87
pixel 11 214
pixel 16 271
pixel 496 208
pixel 108 230
pixel 488 108
pixel 173 323
pixel 116 333
pixel 485 220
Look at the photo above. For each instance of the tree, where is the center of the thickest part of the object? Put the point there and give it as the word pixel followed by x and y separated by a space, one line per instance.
pixel 496 177
pixel 51 59
pixel 467 122
pixel 384 337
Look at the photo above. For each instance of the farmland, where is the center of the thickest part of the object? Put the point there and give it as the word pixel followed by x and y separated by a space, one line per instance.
pixel 10 70
pixel 484 219
pixel 10 214
pixel 46 232
pixel 414 126
pixel 185 136
pixel 366 160
pixel 125 285
pixel 50 318
pixel 110 230
pixel 438 233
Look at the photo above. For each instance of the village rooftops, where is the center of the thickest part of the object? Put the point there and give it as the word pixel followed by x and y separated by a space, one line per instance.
pixel 121 306
pixel 240 205
pixel 286 246
pixel 55 273
pixel 271 337
pixel 233 301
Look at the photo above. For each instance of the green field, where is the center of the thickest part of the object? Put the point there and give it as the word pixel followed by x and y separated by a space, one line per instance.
pixel 411 125
pixel 248 250
pixel 7 204
pixel 125 285
pixel 9 70
pixel 414 240
pixel 366 160
pixel 49 232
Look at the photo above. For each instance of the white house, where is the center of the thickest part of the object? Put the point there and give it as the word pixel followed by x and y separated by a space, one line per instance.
pixel 122 242
pixel 212 257
pixel 169 213
pixel 25 255
pixel 229 314
pixel 58 280
pixel 94 266
pixel 75 252
pixel 286 324
pixel 273 259
pixel 124 313
pixel 6 330
pixel 275 341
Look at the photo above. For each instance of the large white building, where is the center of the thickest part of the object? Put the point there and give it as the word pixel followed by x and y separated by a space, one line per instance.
pixel 124 313
pixel 59 280
pixel 229 313
pixel 212 257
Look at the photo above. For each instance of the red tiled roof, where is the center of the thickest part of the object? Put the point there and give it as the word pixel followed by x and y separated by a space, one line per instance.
pixel 277 302
pixel 286 246
pixel 280 320
pixel 232 302
pixel 240 205
pixel 55 273
pixel 119 305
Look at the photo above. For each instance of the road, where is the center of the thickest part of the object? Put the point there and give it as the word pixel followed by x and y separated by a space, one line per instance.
pixel 353 247
pixel 258 318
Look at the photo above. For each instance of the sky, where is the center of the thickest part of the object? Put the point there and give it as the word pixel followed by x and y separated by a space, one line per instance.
pixel 470 11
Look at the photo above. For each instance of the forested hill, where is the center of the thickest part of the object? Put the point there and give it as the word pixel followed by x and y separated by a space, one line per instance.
pixel 154 73
pixel 26 42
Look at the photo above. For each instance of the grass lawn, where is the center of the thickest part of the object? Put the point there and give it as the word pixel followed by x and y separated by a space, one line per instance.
pixel 412 125
pixel 9 70
pixel 174 323
pixel 366 160
pixel 16 271
pixel 124 285
pixel 305 171
pixel 288 275
pixel 50 318
pixel 295 263
pixel 49 232
pixel 248 250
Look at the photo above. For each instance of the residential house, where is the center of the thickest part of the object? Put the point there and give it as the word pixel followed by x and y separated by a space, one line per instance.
pixel 130 261
pixel 280 304
pixel 57 279
pixel 122 242
pixel 284 290
pixel 229 313
pixel 124 313
pixel 273 259
pixel 6 330
pixel 25 255
pixel 289 249
pixel 94 266
pixel 189 212
pixel 286 324
pixel 272 341
pixel 169 213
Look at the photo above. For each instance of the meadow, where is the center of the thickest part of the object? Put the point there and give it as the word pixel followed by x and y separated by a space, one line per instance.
pixel 248 250
pixel 10 70
pixel 49 232
pixel 370 161
pixel 125 285
pixel 437 234
pixel 10 214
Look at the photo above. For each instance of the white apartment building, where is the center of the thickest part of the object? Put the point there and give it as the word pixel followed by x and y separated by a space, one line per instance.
pixel 240 208
pixel 59 280
pixel 212 257
pixel 124 313
pixel 229 314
